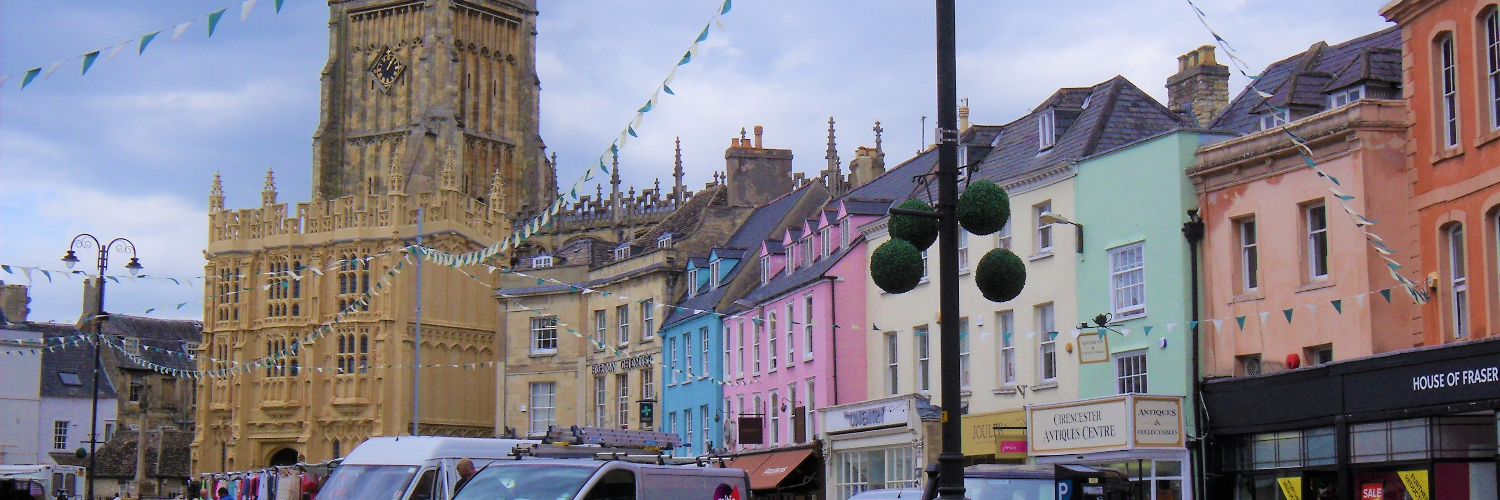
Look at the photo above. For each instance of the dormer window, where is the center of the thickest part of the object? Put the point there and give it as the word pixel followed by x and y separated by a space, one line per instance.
pixel 807 251
pixel 713 274
pixel 1344 97
pixel 827 242
pixel 541 261
pixel 692 283
pixel 791 259
pixel 622 252
pixel 664 241
pixel 1046 130
pixel 844 233
pixel 765 269
pixel 1275 118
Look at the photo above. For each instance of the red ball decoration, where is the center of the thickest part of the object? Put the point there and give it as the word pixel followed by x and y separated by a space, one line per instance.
pixel 1293 361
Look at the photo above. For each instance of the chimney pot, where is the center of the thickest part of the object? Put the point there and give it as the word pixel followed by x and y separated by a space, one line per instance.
pixel 1200 87
pixel 758 131
pixel 734 142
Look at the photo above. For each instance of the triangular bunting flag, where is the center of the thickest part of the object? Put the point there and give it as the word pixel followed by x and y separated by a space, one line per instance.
pixel 1192 325
pixel 88 60
pixel 1360 299
pixel 245 9
pixel 1288 313
pixel 179 30
pixel 29 76
pixel 278 5
pixel 213 21
pixel 1386 294
pixel 1170 327
pixel 1263 317
pixel 1146 330
pixel 1240 320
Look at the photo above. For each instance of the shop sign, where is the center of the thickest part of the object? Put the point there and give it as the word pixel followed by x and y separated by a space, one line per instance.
pixel 1093 348
pixel 1291 487
pixel 1372 491
pixel 853 418
pixel 1416 484
pixel 1422 384
pixel 986 433
pixel 1106 424
pixel 641 362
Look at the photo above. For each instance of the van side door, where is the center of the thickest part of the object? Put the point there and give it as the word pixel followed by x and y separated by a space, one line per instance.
pixel 425 487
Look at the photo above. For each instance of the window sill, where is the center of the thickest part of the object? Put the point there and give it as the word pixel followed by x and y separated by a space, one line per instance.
pixel 1047 384
pixel 1447 154
pixel 1039 255
pixel 963 271
pixel 1248 296
pixel 1005 389
pixel 1487 138
pixel 1316 285
pixel 1127 317
pixel 541 354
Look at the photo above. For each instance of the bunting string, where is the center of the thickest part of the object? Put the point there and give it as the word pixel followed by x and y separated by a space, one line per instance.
pixel 87 59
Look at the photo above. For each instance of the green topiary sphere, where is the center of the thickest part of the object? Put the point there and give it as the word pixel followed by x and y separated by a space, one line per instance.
pixel 896 266
pixel 919 231
pixel 1001 275
pixel 983 208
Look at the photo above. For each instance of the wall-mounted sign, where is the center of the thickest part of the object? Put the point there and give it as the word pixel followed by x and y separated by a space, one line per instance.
pixel 1106 424
pixel 866 416
pixel 640 362
pixel 1093 348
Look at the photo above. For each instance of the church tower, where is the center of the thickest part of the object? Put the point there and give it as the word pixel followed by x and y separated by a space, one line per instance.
pixel 428 119
pixel 411 80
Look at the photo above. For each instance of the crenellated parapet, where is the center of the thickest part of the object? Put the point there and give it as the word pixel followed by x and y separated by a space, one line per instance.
pixel 359 212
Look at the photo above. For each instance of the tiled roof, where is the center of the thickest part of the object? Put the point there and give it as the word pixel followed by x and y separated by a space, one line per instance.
pixel 866 207
pixel 782 283
pixel 1117 113
pixel 686 218
pixel 78 361
pixel 167 454
pixel 164 334
pixel 896 184
pixel 1306 78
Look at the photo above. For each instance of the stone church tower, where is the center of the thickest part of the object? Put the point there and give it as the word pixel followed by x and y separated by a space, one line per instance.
pixel 429 107
pixel 411 80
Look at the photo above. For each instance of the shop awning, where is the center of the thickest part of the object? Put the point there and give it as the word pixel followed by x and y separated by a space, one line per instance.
pixel 776 468
pixel 750 463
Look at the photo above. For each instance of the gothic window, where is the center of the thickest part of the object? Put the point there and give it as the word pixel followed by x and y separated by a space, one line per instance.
pixel 276 366
pixel 354 283
pixel 354 352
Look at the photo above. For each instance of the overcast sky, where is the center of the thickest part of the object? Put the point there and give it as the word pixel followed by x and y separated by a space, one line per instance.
pixel 131 148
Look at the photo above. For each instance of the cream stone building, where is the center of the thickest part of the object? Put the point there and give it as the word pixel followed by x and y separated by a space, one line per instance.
pixel 428 108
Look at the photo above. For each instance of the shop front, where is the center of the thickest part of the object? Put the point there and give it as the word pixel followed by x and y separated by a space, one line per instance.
pixel 1140 434
pixel 791 473
pixel 995 438
pixel 878 444
pixel 1417 425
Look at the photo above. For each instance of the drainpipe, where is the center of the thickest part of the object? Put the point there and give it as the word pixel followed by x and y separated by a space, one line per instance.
pixel 833 319
pixel 1193 231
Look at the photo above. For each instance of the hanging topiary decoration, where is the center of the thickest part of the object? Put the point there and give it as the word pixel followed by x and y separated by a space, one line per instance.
pixel 1001 275
pixel 983 208
pixel 919 231
pixel 896 266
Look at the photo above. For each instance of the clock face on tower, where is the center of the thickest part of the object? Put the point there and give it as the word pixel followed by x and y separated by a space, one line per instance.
pixel 386 69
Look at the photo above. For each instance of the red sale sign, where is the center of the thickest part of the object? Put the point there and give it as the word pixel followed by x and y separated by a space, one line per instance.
pixel 1372 491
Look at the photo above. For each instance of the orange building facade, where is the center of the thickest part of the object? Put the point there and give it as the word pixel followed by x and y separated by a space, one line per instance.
pixel 1451 75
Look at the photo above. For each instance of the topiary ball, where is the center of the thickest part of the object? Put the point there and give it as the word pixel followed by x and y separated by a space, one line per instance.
pixel 983 208
pixel 1001 275
pixel 919 231
pixel 896 266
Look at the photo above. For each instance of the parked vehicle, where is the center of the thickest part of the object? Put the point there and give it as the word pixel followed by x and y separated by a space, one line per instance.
pixel 1019 482
pixel 41 482
pixel 604 479
pixel 411 468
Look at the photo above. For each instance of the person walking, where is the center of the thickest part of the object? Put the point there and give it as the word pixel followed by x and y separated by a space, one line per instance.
pixel 224 493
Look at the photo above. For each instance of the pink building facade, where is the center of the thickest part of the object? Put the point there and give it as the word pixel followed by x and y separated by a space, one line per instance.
pixel 796 343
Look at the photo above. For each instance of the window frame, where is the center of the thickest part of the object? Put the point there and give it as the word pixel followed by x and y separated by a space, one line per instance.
pixel 1132 380
pixel 771 346
pixel 1117 276
pixel 703 334
pixel 1316 241
pixel 687 354
pixel 1045 317
pixel 1458 282
pixel 1249 244
pixel 60 434
pixel 1003 236
pixel 601 329
pixel 601 401
pixel 892 363
pixel 923 354
pixel 963 251
pixel 1042 238
pixel 539 337
pixel 755 352
pixel 541 261
pixel 807 327
pixel 963 354
pixel 622 317
pixel 622 400
pixel 648 320
pixel 1005 328
pixel 1491 21
pixel 1447 89
pixel 533 410
pixel 671 361
pixel 1046 130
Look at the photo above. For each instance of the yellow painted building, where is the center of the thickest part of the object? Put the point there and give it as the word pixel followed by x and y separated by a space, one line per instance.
pixel 428 108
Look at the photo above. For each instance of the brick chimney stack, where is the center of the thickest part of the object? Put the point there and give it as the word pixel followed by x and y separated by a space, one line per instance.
pixel 1200 87
pixel 14 302
pixel 755 174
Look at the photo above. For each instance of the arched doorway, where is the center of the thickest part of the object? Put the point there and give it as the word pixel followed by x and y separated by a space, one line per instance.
pixel 284 457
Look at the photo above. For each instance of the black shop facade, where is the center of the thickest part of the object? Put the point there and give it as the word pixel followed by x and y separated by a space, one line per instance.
pixel 1417 424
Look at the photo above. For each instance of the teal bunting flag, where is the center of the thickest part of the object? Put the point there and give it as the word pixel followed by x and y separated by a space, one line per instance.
pixel 88 60
pixel 146 40
pixel 668 89
pixel 30 75
pixel 278 5
pixel 646 108
pixel 1288 314
pixel 1147 330
pixel 631 130
pixel 614 149
pixel 7 269
pixel 1192 325
pixel 704 35
pixel 1241 321
pixel 1387 294
pixel 725 10
pixel 213 21
pixel 1338 305
pixel 686 58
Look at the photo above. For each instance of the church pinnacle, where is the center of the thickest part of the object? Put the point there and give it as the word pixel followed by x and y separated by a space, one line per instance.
pixel 833 176
pixel 497 193
pixel 450 173
pixel 216 194
pixel 395 179
pixel 677 187
pixel 268 192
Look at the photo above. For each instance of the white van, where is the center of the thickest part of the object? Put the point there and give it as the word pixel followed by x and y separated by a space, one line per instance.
pixel 41 482
pixel 604 479
pixel 410 468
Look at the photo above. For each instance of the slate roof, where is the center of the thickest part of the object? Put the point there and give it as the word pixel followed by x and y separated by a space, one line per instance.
pixel 78 361
pixel 1117 113
pixel 167 454
pixel 1306 79
pixel 165 334
pixel 782 283
pixel 896 184
pixel 747 239
pixel 583 251
pixel 686 218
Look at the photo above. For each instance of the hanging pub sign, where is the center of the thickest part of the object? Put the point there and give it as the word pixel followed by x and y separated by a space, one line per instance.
pixel 1093 348
pixel 752 430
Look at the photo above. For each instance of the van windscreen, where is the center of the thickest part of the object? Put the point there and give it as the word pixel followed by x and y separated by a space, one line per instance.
pixel 985 488
pixel 504 481
pixel 367 482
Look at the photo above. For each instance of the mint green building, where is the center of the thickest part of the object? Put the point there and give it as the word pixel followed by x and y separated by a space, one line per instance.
pixel 1134 268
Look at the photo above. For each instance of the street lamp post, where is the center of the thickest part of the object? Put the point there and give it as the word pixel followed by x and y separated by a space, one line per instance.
pixel 86 241
pixel 951 460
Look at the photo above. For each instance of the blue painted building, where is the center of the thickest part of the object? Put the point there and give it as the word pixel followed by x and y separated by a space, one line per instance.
pixel 692 400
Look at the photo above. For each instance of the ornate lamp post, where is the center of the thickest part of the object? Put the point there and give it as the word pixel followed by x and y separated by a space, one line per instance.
pixel 84 242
